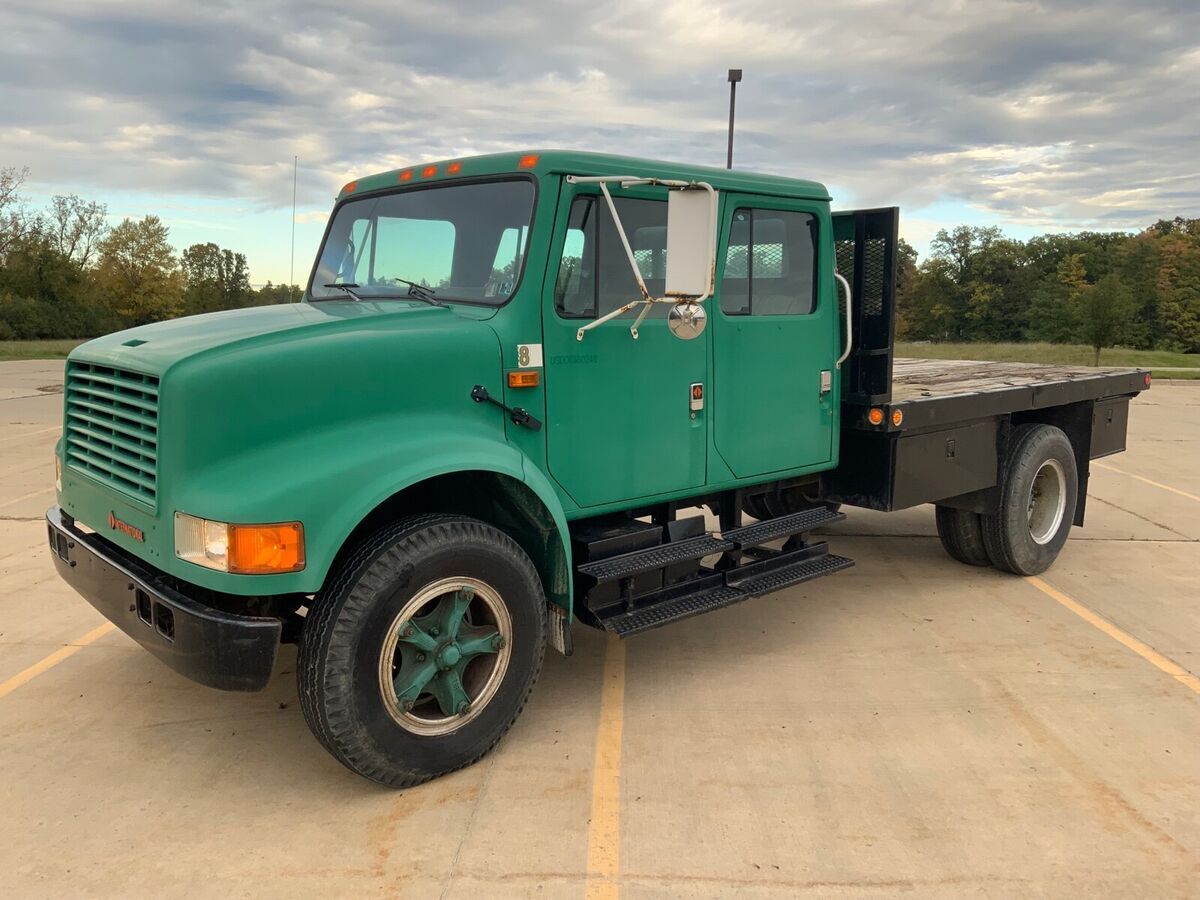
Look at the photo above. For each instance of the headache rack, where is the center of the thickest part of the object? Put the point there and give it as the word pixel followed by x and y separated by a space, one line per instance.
pixel 866 241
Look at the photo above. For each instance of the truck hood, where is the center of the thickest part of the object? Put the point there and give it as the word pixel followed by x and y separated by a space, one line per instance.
pixel 154 348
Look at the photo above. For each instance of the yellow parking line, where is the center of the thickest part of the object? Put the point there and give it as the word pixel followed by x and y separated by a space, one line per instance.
pixel 7 687
pixel 26 496
pixel 1165 487
pixel 23 434
pixel 1145 651
pixel 604 829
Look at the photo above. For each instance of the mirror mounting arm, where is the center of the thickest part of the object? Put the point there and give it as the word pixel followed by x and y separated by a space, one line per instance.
pixel 646 299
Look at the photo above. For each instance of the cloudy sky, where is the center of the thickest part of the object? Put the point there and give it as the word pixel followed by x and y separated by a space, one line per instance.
pixel 1035 116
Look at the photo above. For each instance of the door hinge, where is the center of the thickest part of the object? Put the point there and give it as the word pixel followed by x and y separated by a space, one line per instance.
pixel 518 414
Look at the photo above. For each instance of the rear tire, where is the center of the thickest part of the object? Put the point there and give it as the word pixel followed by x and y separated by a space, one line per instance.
pixel 961 532
pixel 1039 487
pixel 422 649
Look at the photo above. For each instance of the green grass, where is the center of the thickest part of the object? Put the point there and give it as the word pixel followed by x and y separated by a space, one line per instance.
pixel 36 349
pixel 1163 363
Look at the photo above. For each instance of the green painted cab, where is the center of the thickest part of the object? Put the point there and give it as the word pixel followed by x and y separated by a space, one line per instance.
pixel 433 281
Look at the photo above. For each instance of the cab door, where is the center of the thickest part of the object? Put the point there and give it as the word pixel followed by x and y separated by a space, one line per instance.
pixel 775 337
pixel 618 415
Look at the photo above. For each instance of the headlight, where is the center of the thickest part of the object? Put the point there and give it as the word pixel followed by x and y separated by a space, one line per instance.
pixel 241 549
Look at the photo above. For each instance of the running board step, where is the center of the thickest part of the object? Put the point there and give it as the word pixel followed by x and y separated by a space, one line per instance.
pixel 779 577
pixel 627 564
pixel 719 590
pixel 671 610
pixel 784 526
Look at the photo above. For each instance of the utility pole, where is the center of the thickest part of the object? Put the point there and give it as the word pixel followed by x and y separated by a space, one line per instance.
pixel 735 75
pixel 292 270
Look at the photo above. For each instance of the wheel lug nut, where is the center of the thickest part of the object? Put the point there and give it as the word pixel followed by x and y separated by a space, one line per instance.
pixel 420 657
pixel 433 631
pixel 406 705
pixel 498 641
pixel 407 632
pixel 463 707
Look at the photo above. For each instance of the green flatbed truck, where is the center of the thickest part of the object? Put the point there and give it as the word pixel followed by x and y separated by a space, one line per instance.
pixel 512 382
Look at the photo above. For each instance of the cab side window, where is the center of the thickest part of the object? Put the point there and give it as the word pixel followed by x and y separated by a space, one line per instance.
pixel 770 263
pixel 594 276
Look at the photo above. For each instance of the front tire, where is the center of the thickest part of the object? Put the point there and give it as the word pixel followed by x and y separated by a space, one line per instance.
pixel 1039 486
pixel 423 648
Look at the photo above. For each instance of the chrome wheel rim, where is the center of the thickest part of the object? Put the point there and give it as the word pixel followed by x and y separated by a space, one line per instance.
pixel 445 655
pixel 1047 501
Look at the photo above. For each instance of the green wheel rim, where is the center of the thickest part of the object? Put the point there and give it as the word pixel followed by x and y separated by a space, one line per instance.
pixel 445 655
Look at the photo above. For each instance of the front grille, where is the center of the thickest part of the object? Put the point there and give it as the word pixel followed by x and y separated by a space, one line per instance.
pixel 112 427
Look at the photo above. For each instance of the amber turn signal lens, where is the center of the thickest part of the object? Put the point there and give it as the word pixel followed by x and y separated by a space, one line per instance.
pixel 1147 379
pixel 349 187
pixel 527 162
pixel 875 416
pixel 454 168
pixel 524 379
pixel 429 171
pixel 266 549
pixel 406 175
pixel 897 417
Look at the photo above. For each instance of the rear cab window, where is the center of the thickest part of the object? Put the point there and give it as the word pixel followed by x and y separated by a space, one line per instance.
pixel 770 263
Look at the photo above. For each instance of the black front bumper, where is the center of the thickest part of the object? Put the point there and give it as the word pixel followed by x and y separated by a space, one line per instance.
pixel 215 648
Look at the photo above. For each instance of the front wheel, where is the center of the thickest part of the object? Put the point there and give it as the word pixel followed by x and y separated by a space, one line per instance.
pixel 1039 485
pixel 423 649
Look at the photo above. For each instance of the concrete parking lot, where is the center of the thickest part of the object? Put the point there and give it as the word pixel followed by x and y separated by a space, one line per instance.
pixel 910 726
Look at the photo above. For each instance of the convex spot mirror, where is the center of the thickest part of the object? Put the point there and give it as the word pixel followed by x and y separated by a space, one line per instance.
pixel 687 320
pixel 690 239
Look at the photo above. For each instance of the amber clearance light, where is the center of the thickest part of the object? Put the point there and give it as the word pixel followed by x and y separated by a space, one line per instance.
pixel 528 378
pixel 240 549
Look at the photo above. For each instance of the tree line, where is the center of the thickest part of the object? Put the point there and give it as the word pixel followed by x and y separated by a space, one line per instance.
pixel 65 272
pixel 1096 288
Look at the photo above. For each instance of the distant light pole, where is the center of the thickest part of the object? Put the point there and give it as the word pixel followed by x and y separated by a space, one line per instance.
pixel 292 270
pixel 735 75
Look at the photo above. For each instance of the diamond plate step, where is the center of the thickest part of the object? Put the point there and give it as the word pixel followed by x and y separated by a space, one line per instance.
pixel 653 558
pixel 664 613
pixel 776 579
pixel 784 526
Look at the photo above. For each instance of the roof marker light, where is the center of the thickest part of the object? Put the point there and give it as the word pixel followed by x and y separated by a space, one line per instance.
pixel 429 171
pixel 454 168
pixel 406 175
pixel 528 161
pixel 349 187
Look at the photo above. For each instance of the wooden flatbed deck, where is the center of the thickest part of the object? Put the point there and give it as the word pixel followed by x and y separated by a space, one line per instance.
pixel 938 392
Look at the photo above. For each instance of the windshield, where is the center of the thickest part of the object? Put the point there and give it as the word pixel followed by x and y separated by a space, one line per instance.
pixel 463 242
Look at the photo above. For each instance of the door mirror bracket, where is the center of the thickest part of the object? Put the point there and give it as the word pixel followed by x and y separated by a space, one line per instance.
pixel 691 253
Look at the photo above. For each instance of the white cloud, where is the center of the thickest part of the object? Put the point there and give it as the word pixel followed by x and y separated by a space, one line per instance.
pixel 1058 114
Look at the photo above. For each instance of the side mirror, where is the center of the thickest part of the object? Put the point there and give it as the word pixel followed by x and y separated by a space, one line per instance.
pixel 687 320
pixel 691 236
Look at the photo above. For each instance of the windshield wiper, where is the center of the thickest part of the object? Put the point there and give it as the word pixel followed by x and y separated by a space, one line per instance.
pixel 348 288
pixel 415 292
pixel 420 291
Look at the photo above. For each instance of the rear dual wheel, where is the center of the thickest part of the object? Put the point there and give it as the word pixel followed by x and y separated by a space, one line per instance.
pixel 422 650
pixel 1039 484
